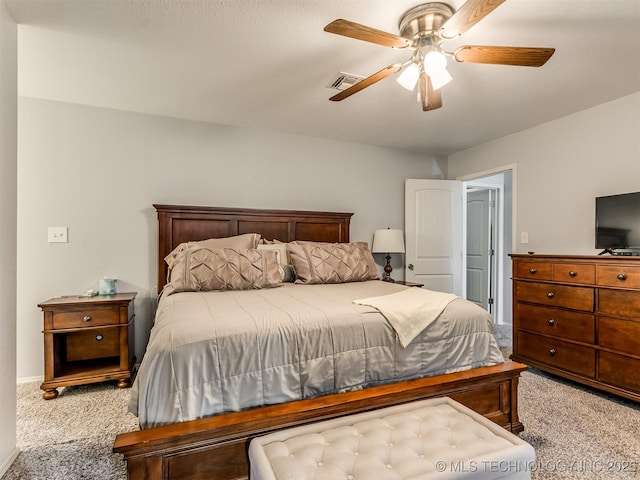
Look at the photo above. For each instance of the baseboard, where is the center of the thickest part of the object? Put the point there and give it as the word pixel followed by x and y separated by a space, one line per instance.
pixel 4 467
pixel 22 380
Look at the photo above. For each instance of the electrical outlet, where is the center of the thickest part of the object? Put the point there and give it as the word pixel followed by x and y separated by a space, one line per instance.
pixel 57 235
pixel 524 237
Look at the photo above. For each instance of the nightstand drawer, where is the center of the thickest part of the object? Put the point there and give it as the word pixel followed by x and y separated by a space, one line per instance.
pixel 578 298
pixel 86 318
pixel 91 344
pixel 559 323
pixel 559 354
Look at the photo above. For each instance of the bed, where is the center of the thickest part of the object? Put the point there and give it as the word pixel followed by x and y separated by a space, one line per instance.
pixel 209 439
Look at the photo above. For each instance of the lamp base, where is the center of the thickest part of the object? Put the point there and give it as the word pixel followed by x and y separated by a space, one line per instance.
pixel 387 270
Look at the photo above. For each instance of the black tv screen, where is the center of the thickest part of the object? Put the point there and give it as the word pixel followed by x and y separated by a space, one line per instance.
pixel 618 221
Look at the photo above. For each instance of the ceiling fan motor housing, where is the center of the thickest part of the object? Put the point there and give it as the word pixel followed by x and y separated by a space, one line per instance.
pixel 424 20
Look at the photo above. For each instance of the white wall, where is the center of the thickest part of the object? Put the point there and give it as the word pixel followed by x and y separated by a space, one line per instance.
pixel 98 172
pixel 8 156
pixel 561 167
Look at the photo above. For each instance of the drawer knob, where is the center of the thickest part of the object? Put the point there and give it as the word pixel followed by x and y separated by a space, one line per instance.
pixel 622 276
pixel 552 322
pixel 533 270
pixel 572 273
pixel 99 337
pixel 552 352
pixel 86 318
pixel 550 295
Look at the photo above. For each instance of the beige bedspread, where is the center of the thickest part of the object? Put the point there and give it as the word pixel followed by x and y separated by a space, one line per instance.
pixel 214 352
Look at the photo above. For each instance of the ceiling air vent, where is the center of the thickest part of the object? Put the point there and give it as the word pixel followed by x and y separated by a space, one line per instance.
pixel 342 81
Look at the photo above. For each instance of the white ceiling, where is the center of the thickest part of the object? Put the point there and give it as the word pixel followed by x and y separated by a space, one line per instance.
pixel 265 64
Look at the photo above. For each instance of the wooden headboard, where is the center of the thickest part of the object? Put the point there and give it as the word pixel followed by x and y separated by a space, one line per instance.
pixel 178 224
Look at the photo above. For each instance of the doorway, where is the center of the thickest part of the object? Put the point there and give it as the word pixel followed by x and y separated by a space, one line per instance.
pixel 489 240
pixel 437 229
pixel 482 223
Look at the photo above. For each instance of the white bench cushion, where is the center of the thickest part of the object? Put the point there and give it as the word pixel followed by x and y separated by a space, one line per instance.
pixel 435 438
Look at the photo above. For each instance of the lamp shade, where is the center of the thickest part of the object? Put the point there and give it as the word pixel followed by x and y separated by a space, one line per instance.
pixel 388 241
pixel 435 65
pixel 409 77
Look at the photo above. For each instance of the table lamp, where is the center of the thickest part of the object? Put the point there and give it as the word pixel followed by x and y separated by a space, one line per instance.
pixel 388 241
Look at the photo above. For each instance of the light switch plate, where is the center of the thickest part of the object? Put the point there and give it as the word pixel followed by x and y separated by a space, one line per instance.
pixel 57 235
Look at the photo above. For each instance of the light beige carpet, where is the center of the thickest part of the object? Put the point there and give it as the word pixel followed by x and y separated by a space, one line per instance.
pixel 71 436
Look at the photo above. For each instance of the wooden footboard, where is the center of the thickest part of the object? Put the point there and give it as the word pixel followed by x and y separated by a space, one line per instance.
pixel 216 447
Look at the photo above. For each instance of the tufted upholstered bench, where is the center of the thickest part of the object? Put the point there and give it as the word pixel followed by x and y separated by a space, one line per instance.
pixel 436 438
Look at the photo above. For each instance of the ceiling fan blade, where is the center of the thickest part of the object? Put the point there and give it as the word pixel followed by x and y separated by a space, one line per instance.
pixel 467 16
pixel 366 82
pixel 367 34
pixel 429 98
pixel 518 56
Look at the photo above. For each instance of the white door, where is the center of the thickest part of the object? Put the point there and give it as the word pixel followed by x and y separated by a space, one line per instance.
pixel 433 231
pixel 481 247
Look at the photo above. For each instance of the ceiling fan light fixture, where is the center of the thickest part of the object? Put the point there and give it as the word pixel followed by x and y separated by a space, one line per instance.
pixel 409 77
pixel 422 30
pixel 435 65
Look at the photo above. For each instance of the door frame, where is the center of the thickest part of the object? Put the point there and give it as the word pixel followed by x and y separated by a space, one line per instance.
pixel 503 303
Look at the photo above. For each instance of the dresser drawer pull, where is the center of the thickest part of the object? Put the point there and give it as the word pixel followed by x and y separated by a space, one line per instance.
pixel 622 276
pixel 550 294
pixel 552 322
pixel 99 337
pixel 552 352
pixel 533 270
pixel 572 273
pixel 87 318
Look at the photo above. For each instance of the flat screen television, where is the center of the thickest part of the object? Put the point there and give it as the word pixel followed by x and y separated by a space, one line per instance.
pixel 618 221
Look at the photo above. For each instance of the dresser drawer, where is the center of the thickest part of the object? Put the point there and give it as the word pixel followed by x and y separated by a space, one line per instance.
pixel 86 318
pixel 534 270
pixel 559 323
pixel 621 335
pixel 574 273
pixel 619 371
pixel 619 302
pixel 92 344
pixel 577 298
pixel 618 276
pixel 556 353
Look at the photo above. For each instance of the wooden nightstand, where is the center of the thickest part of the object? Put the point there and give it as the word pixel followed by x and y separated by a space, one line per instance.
pixel 87 340
pixel 409 284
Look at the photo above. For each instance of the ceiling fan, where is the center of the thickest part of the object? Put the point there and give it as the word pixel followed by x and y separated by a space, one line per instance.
pixel 423 29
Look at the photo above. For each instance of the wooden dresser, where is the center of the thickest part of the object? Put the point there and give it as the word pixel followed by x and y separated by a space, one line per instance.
pixel 579 317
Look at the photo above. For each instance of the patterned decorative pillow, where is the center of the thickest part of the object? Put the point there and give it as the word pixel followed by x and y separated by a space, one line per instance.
pixel 244 241
pixel 197 268
pixel 319 262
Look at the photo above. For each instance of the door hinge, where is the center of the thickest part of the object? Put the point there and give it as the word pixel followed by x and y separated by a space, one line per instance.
pixel 490 301
pixel 492 252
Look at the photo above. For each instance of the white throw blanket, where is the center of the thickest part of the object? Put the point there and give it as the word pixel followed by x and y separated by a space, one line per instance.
pixel 410 311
